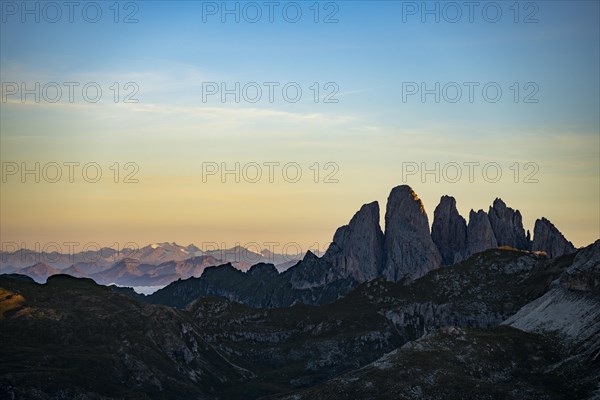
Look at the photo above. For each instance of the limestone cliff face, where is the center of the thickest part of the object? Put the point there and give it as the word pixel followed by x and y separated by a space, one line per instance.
pixel 507 225
pixel 547 238
pixel 357 248
pixel 570 310
pixel 584 274
pixel 409 249
pixel 449 231
pixel 480 235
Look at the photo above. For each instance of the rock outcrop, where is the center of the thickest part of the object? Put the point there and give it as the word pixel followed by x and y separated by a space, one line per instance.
pixel 449 231
pixel 547 238
pixel 570 307
pixel 570 310
pixel 584 274
pixel 263 270
pixel 410 252
pixel 311 273
pixel 357 248
pixel 480 235
pixel 312 281
pixel 507 225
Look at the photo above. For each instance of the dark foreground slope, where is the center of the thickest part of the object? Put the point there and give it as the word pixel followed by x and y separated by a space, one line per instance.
pixel 74 339
pixel 312 281
pixel 455 363
pixel 557 358
pixel 437 337
pixel 297 347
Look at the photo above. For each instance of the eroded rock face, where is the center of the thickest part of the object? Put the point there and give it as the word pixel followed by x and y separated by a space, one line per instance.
pixel 480 235
pixel 507 225
pixel 570 310
pixel 584 274
pixel 263 270
pixel 547 238
pixel 357 248
pixel 459 356
pixel 312 272
pixel 409 249
pixel 449 231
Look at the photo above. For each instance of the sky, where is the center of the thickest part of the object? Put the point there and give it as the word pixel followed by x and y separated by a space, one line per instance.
pixel 273 122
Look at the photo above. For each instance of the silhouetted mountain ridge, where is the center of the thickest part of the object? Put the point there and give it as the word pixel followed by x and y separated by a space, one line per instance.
pixel 361 252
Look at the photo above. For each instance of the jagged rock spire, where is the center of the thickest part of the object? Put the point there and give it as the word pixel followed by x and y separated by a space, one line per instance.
pixel 357 248
pixel 409 249
pixel 480 235
pixel 449 231
pixel 547 238
pixel 507 225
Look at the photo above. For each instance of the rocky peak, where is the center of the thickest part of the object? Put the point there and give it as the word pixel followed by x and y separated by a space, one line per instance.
pixel 312 272
pixel 309 256
pixel 224 270
pixel 71 281
pixel 263 270
pixel 449 231
pixel 40 266
pixel 126 264
pixel 480 235
pixel 40 271
pixel 547 238
pixel 127 261
pixel 507 225
pixel 192 248
pixel 410 252
pixel 357 248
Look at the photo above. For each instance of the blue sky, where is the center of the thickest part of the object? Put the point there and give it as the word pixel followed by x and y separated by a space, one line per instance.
pixel 368 54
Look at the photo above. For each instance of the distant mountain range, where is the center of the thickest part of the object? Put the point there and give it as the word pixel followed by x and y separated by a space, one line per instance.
pixel 152 265
pixel 359 252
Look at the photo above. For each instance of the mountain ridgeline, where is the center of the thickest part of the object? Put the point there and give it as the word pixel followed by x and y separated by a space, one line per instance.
pixel 361 252
pixel 378 317
pixel 504 324
pixel 157 264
